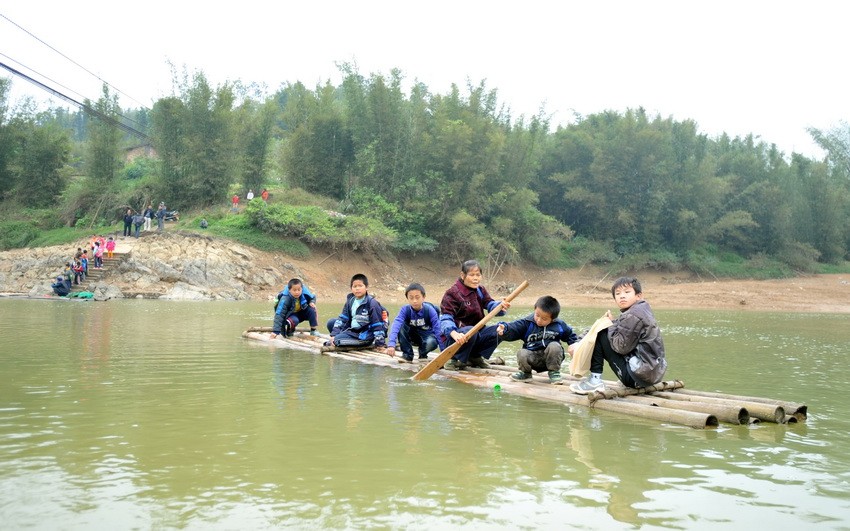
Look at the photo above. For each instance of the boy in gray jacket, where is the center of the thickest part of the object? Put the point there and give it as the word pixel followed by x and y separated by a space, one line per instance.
pixel 632 345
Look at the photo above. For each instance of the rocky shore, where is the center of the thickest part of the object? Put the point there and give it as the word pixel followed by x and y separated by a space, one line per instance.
pixel 169 265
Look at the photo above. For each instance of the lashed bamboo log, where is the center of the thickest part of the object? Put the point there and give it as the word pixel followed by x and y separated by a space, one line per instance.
pixel 612 392
pixel 725 413
pixel 765 412
pixel 557 393
pixel 798 410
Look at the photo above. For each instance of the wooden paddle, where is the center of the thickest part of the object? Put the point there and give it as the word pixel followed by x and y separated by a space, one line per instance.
pixel 435 364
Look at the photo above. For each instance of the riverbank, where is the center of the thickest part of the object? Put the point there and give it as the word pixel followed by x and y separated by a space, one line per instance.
pixel 185 265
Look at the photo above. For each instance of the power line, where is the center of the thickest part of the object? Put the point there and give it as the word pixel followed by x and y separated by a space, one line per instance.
pixel 87 108
pixel 69 59
pixel 59 84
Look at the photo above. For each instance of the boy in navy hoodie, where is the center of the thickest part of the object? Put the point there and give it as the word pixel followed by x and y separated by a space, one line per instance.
pixel 417 323
pixel 541 334
pixel 295 304
pixel 361 321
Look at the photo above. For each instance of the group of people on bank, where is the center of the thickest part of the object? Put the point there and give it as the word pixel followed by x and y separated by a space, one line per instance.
pixel 632 344
pixel 77 269
pixel 142 220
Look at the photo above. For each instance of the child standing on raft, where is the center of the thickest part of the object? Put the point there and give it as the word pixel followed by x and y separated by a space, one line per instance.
pixel 463 306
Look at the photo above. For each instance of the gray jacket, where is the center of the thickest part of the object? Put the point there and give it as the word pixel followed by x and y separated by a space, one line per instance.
pixel 635 335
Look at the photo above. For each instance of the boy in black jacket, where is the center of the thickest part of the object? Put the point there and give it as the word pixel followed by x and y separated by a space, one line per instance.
pixel 541 334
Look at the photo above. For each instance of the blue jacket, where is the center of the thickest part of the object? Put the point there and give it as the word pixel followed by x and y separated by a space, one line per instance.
pixel 367 323
pixel 426 320
pixel 538 337
pixel 286 305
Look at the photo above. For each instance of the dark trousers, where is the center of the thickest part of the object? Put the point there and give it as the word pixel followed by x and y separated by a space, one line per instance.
pixel 481 345
pixel 305 314
pixel 348 338
pixel 408 337
pixel 138 228
pixel 128 228
pixel 603 351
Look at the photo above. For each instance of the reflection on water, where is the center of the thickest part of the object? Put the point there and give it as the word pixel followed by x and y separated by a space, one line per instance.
pixel 157 414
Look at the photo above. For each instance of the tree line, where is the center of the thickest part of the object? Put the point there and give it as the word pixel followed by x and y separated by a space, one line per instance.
pixel 454 173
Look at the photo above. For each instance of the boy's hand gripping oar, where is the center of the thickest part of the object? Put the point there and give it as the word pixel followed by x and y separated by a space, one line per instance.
pixel 435 364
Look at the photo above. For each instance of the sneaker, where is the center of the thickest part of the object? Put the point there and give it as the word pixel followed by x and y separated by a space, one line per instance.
pixel 314 332
pixel 479 363
pixel 424 358
pixel 405 359
pixel 587 386
pixel 454 365
pixel 555 378
pixel 521 376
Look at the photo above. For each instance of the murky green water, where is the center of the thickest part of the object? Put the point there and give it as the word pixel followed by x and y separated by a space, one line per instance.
pixel 148 414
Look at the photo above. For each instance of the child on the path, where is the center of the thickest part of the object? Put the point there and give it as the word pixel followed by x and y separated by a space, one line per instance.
pixel 110 247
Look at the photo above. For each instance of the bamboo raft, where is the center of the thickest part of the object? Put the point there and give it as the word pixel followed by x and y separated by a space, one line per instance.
pixel 666 401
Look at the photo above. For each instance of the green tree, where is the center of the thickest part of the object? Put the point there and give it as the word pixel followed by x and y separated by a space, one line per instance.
pixel 195 137
pixel 104 150
pixel 256 132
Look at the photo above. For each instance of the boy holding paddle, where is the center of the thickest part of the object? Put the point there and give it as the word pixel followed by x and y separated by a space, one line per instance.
pixel 632 345
pixel 541 334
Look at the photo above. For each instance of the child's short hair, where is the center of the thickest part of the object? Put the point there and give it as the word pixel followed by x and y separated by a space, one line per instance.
pixel 548 304
pixel 469 265
pixel 293 282
pixel 415 286
pixel 626 281
pixel 361 277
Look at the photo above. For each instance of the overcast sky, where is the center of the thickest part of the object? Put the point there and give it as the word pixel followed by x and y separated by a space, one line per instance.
pixel 771 68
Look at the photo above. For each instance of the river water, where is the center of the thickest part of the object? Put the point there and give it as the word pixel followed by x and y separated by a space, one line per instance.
pixel 153 414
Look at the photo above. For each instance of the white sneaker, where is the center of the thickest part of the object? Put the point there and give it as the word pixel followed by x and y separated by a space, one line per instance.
pixel 587 386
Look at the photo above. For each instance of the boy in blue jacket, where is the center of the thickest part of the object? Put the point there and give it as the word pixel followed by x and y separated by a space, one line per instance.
pixel 541 334
pixel 417 323
pixel 360 322
pixel 295 304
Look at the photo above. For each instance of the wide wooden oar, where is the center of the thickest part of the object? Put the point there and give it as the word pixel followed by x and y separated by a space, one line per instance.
pixel 435 364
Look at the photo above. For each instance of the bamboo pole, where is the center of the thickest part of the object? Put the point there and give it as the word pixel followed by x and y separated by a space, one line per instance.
pixel 725 413
pixel 798 410
pixel 437 363
pixel 765 412
pixel 620 391
pixel 556 393
pixel 675 416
